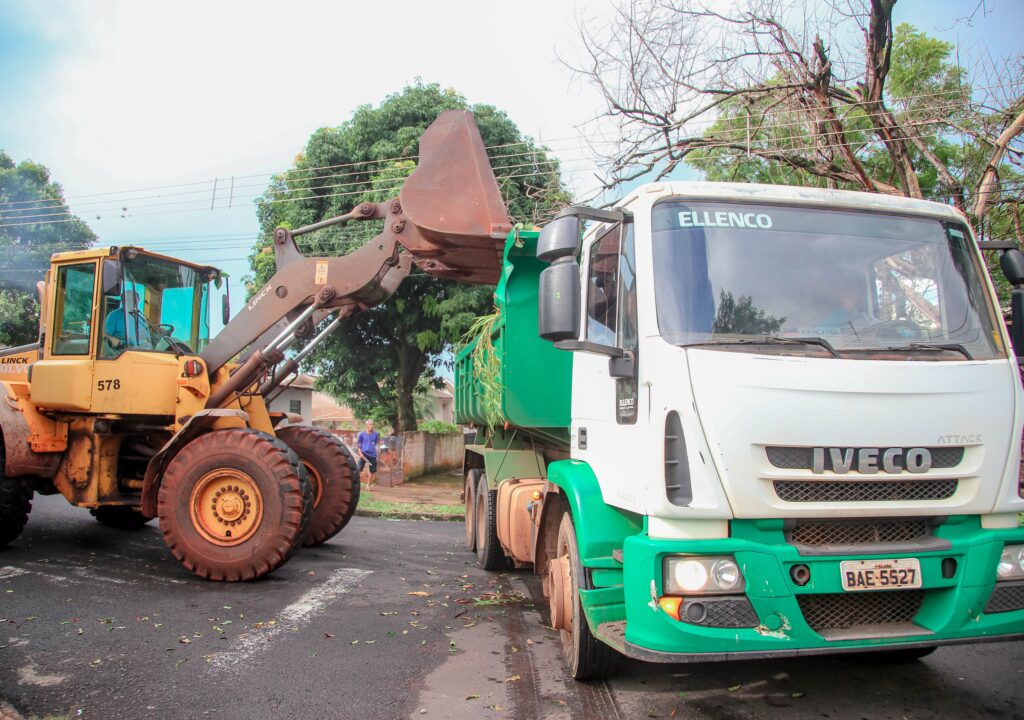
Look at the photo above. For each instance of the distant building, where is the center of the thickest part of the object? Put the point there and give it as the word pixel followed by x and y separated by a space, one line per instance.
pixel 297 397
pixel 332 415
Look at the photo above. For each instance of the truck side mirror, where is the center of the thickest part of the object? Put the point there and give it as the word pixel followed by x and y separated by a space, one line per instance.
pixel 1012 264
pixel 558 300
pixel 111 278
pixel 559 238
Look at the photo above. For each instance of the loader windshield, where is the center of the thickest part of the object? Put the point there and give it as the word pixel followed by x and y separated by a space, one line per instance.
pixel 775 278
pixel 163 307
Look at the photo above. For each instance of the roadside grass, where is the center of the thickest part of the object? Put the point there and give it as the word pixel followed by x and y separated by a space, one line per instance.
pixel 406 510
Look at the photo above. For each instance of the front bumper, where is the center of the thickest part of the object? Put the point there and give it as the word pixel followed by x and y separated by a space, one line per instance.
pixel 951 610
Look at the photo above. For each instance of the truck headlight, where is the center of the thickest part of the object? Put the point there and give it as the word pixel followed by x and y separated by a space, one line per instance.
pixel 701 575
pixel 1011 563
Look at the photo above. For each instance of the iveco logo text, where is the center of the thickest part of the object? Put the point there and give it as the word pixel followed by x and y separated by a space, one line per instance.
pixel 723 218
pixel 869 461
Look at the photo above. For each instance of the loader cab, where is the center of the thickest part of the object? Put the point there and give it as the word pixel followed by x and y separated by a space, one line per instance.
pixel 119 320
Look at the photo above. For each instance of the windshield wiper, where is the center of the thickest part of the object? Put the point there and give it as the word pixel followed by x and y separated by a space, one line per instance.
pixel 934 347
pixel 774 340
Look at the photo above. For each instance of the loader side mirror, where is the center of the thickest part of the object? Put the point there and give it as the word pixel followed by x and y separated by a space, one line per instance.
pixel 559 238
pixel 111 278
pixel 225 306
pixel 558 301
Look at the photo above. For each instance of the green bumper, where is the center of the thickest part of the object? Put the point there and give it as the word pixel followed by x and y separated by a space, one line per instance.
pixel 622 609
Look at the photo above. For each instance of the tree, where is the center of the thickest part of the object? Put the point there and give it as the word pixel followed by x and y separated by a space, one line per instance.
pixel 377 359
pixel 34 223
pixel 753 95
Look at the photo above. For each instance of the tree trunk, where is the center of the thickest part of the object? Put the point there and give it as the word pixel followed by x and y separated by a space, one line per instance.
pixel 411 362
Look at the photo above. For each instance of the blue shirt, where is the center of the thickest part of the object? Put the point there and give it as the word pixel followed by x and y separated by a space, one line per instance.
pixel 368 443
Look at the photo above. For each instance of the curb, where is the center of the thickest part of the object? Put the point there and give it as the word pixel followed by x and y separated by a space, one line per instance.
pixel 403 515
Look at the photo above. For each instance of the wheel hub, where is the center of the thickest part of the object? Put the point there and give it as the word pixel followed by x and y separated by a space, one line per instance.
pixel 560 600
pixel 226 506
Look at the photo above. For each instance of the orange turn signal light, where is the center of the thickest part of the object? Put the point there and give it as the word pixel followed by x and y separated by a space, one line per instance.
pixel 536 494
pixel 671 605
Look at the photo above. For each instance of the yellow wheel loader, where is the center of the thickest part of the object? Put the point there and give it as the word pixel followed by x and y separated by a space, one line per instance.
pixel 127 407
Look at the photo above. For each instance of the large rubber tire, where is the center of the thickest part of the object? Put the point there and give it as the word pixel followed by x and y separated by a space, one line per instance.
pixel 333 478
pixel 489 554
pixel 273 490
pixel 121 517
pixel 472 480
pixel 587 657
pixel 15 505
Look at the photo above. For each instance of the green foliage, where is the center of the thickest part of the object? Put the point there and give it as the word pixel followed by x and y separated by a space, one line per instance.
pixel 486 366
pixel 29 234
pixel 438 427
pixel 375 361
pixel 743 317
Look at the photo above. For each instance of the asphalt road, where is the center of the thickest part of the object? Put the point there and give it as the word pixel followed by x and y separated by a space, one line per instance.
pixel 98 623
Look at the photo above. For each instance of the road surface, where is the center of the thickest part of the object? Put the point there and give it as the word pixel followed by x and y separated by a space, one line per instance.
pixel 390 619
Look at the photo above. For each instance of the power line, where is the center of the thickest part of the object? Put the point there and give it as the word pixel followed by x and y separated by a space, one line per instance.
pixel 528 141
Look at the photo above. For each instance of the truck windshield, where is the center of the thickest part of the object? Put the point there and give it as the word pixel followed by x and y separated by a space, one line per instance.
pixel 163 307
pixel 829 281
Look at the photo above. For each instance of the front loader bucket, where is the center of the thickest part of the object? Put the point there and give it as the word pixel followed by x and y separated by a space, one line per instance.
pixel 452 201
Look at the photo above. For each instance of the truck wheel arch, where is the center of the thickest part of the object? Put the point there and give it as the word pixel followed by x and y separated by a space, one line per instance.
pixel 600 528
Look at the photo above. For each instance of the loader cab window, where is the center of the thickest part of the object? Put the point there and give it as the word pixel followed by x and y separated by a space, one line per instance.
pixel 163 308
pixel 73 318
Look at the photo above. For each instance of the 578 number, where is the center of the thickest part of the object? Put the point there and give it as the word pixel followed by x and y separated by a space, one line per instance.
pixel 102 385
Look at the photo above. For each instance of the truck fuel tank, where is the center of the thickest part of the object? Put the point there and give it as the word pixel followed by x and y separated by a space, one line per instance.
pixel 515 521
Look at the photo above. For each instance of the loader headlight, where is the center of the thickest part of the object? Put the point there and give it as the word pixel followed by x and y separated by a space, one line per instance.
pixel 699 575
pixel 1011 563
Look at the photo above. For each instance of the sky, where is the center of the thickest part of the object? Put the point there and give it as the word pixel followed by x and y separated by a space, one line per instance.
pixel 122 100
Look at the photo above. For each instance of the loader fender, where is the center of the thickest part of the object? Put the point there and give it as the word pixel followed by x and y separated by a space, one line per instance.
pixel 600 528
pixel 20 458
pixel 196 425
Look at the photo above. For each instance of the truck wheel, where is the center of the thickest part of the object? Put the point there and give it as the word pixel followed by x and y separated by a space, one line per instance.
pixel 332 476
pixel 489 555
pixel 121 517
pixel 234 504
pixel 472 480
pixel 15 505
pixel 587 657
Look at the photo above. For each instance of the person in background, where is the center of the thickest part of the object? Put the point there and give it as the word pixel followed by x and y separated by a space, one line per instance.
pixel 368 441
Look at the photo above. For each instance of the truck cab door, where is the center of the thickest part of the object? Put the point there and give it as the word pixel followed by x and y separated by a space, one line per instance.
pixel 610 416
pixel 63 379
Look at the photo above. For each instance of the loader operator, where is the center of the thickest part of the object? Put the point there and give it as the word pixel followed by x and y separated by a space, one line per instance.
pixel 124 327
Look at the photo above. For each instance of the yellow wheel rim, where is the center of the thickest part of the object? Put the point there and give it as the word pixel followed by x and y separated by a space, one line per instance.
pixel 226 506
pixel 315 482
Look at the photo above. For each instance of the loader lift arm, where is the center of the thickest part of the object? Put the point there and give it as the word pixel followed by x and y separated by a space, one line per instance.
pixel 449 219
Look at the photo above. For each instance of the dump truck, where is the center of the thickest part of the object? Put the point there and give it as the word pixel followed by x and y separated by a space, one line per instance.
pixel 126 405
pixel 734 421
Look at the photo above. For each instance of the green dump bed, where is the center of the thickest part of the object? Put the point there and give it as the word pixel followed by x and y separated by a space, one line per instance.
pixel 534 379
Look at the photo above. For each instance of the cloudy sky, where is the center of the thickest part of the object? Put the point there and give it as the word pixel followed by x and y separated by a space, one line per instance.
pixel 122 100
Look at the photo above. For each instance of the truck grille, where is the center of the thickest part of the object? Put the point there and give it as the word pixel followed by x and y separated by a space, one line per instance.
pixel 1006 598
pixel 858 533
pixel 844 610
pixel 863 490
pixel 802 458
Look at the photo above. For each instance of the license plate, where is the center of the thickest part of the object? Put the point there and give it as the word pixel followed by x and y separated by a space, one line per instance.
pixel 880 574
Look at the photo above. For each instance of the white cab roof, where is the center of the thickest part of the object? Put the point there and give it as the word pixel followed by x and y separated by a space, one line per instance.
pixel 753 192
